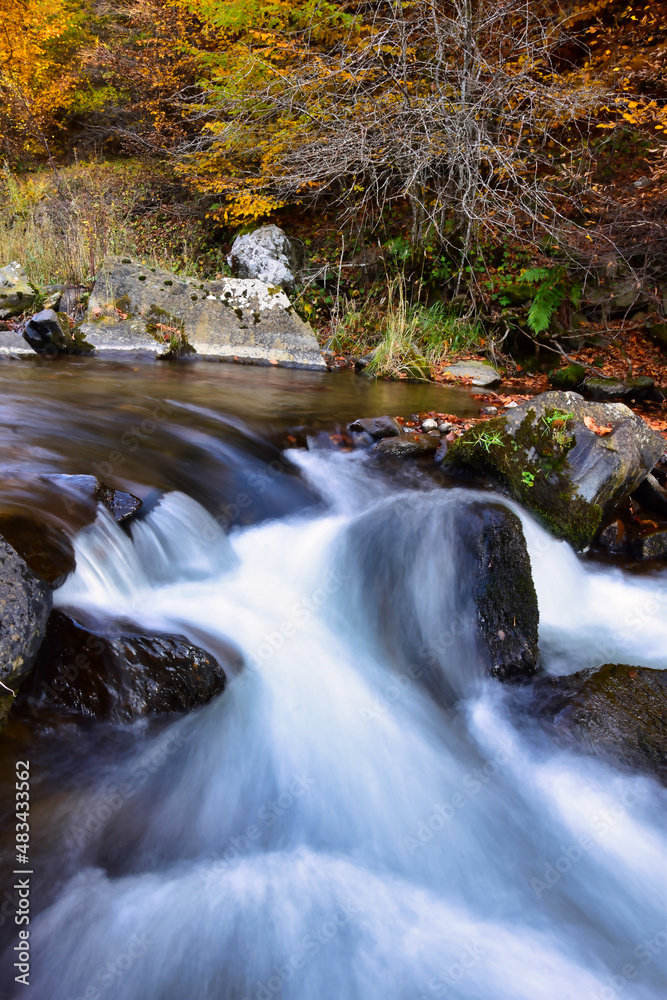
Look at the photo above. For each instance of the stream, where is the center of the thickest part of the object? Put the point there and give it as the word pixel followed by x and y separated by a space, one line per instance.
pixel 326 828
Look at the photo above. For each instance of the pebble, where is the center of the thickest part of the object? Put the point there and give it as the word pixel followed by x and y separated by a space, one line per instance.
pixel 489 411
pixel 445 427
pixel 429 425
pixel 510 406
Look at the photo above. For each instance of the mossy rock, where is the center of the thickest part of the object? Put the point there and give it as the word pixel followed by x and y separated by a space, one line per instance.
pixel 617 712
pixel 602 389
pixel 543 455
pixel 570 377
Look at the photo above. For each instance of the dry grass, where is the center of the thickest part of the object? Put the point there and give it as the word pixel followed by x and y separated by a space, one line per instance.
pixel 61 228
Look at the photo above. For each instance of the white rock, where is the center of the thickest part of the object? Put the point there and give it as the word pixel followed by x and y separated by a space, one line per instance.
pixel 429 425
pixel 267 254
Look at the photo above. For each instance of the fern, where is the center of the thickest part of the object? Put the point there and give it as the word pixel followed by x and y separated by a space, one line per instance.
pixel 548 296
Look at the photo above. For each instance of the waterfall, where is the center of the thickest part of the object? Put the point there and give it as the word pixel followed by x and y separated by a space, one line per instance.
pixel 325 828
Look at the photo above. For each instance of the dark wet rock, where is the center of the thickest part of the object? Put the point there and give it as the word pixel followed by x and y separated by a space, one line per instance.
pixel 120 675
pixel 571 377
pixel 40 514
pixel 603 389
pixel 122 506
pixel 652 496
pixel 25 602
pixel 505 597
pixel 652 545
pixel 377 427
pixel 618 713
pixel 268 254
pixel 443 586
pixel 48 332
pixel 543 454
pixel 407 445
pixel 240 319
pixel 613 537
pixel 478 372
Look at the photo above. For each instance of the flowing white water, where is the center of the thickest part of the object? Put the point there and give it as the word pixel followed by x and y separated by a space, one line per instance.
pixel 324 830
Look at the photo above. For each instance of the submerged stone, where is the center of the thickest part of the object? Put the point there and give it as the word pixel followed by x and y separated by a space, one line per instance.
pixel 376 427
pixel 567 460
pixel 407 445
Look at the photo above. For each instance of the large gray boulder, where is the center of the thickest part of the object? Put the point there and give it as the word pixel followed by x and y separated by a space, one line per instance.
pixel 567 460
pixel 267 254
pixel 16 294
pixel 134 308
pixel 25 602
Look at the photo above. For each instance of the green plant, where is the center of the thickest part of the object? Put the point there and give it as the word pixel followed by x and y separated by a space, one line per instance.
pixel 487 439
pixel 440 331
pixel 555 425
pixel 397 356
pixel 528 478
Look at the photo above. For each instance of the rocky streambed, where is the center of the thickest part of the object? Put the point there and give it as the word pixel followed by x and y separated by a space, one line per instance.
pixel 257 620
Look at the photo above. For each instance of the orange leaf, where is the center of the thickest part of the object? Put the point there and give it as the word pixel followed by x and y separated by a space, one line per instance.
pixel 592 426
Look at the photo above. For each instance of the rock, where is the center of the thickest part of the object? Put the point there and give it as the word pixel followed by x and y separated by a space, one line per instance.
pixel 25 602
pixel 119 675
pixel 652 545
pixel 365 361
pixel 618 713
pixel 569 377
pixel 543 454
pixel 406 445
pixel 442 583
pixel 613 537
pixel 658 332
pixel 445 427
pixel 652 496
pixel 488 411
pixel 479 373
pixel 429 425
pixel 51 296
pixel 16 294
pixel 616 298
pixel 39 515
pixel 603 389
pixel 49 333
pixel 505 597
pixel 12 345
pixel 267 254
pixel 122 506
pixel 136 308
pixel 377 427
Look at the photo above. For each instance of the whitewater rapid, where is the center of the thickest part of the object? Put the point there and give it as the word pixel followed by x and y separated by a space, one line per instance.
pixel 324 830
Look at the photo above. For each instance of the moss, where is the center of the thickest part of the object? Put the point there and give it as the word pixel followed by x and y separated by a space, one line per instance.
pixel 123 304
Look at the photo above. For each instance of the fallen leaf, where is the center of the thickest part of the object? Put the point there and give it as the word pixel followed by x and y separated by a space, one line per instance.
pixel 592 426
